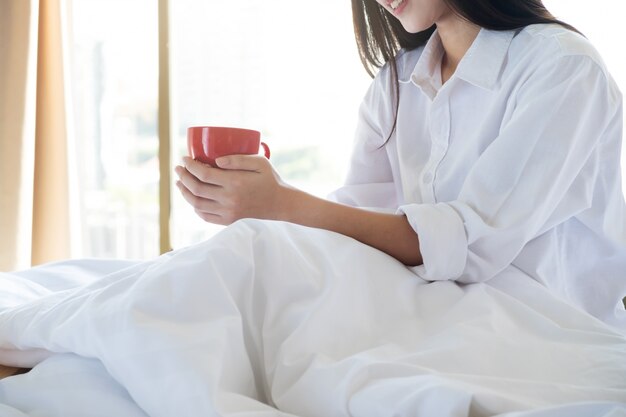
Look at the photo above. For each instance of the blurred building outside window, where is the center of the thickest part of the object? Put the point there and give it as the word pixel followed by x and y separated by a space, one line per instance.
pixel 114 76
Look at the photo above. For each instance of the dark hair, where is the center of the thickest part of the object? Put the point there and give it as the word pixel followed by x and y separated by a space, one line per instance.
pixel 380 36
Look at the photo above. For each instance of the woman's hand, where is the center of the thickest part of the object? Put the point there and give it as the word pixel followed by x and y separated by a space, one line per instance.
pixel 244 186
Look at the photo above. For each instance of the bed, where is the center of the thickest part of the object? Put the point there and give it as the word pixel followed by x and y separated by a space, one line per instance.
pixel 133 339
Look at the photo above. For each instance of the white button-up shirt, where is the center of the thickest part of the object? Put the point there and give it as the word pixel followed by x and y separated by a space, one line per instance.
pixel 513 163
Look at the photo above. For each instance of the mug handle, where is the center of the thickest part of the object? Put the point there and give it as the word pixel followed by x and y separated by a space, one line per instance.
pixel 266 150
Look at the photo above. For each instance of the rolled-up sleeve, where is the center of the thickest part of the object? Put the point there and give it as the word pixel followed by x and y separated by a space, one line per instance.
pixel 443 243
pixel 538 172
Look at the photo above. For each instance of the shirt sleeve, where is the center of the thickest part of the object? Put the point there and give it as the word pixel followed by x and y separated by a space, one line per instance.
pixel 540 171
pixel 370 182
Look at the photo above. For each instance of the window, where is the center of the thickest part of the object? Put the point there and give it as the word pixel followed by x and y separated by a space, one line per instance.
pixel 291 72
pixel 234 64
pixel 114 73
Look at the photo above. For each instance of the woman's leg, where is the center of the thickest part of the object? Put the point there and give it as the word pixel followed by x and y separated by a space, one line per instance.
pixel 197 329
pixel 9 371
pixel 320 325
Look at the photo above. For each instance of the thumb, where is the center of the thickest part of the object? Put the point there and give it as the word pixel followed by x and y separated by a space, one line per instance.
pixel 242 162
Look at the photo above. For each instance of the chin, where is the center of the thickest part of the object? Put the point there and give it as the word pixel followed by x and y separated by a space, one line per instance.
pixel 415 27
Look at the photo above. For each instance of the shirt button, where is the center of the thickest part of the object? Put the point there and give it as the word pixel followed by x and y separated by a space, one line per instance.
pixel 428 178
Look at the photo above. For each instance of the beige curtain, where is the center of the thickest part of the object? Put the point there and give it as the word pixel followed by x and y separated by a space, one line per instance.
pixel 34 219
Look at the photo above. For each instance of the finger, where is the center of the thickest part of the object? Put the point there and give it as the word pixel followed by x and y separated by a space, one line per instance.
pixel 203 172
pixel 243 162
pixel 198 203
pixel 197 187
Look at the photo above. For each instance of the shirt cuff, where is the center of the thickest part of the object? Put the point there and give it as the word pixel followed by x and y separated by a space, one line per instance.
pixel 442 238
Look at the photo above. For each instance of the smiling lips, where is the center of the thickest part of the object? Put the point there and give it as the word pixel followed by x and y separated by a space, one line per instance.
pixel 395 3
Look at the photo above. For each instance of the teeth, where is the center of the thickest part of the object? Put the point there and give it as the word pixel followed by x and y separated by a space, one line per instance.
pixel 395 3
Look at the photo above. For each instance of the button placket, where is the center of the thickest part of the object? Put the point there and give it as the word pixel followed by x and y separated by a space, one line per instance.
pixel 440 132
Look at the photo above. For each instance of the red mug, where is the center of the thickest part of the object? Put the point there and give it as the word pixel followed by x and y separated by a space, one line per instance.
pixel 207 143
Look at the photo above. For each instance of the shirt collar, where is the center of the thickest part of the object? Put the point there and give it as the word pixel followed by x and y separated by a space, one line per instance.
pixel 427 72
pixel 481 65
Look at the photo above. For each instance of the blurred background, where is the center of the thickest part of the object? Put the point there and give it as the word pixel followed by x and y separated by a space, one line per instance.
pixel 294 74
pixel 290 70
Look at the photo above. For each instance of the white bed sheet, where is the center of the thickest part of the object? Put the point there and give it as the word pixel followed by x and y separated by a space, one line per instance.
pixel 309 322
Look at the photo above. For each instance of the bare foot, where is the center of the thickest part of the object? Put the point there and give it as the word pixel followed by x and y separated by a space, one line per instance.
pixel 10 370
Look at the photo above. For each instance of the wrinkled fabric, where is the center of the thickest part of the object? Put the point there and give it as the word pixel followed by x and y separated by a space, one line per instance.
pixel 270 318
pixel 515 160
pixel 509 173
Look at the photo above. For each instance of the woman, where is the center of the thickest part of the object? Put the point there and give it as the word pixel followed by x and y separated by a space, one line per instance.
pixel 488 149
pixel 500 148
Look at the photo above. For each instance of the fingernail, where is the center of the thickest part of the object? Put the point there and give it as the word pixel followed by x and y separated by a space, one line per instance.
pixel 223 161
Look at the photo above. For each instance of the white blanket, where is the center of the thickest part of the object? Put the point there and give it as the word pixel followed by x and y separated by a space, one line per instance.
pixel 270 316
